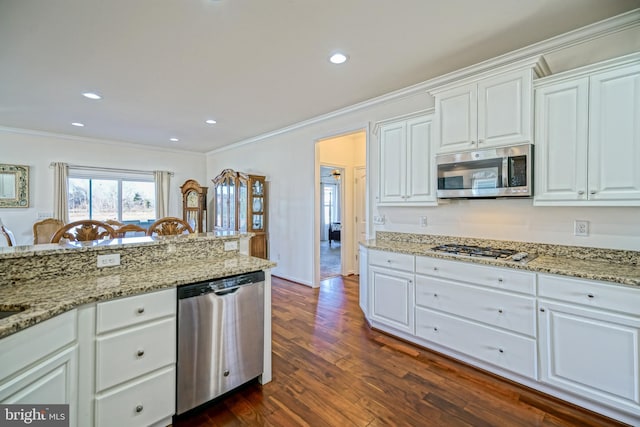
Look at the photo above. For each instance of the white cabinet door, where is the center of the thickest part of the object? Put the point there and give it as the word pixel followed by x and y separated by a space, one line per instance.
pixel 591 353
pixel 419 183
pixel 392 298
pixel 562 111
pixel 406 163
pixel 457 118
pixel 614 132
pixel 393 162
pixel 505 109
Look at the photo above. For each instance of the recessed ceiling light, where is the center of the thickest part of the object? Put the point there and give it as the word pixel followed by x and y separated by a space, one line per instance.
pixel 78 124
pixel 338 58
pixel 91 95
pixel 174 139
pixel 210 122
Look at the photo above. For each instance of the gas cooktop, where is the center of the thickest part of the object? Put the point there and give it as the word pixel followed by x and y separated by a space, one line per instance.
pixel 483 252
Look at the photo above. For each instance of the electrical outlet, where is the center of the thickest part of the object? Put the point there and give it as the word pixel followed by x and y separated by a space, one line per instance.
pixel 108 260
pixel 231 246
pixel 378 219
pixel 580 228
pixel 423 221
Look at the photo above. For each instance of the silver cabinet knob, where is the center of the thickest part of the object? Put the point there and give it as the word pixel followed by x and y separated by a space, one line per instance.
pixel 500 311
pixel 592 192
pixel 139 408
pixel 140 310
pixel 500 280
pixel 435 295
pixel 435 268
pixel 590 296
pixel 581 192
pixel 435 329
pixel 140 353
pixel 226 373
pixel 501 350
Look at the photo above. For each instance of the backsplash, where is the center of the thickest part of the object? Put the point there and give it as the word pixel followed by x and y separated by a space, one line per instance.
pixel 577 252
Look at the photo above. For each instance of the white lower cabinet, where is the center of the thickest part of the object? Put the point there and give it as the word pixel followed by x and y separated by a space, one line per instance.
pixel 135 356
pixel 392 298
pixel 591 351
pixel 39 365
pixel 502 349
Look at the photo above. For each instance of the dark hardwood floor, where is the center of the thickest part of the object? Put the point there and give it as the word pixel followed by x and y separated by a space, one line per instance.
pixel 331 369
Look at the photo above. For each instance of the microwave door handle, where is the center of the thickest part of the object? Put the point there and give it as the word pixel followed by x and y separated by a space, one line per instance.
pixel 505 172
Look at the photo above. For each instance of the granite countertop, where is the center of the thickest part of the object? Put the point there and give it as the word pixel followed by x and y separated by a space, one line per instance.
pixel 44 299
pixel 616 272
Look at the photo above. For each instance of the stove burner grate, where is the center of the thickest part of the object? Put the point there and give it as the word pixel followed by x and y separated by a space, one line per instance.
pixel 479 251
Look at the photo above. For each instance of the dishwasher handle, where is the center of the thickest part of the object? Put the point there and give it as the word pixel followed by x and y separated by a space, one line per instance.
pixel 227 291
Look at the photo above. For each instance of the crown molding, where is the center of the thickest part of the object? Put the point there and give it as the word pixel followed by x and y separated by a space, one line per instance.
pixel 32 132
pixel 514 58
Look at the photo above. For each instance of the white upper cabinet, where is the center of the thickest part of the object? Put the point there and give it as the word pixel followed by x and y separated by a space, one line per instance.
pixel 406 162
pixel 588 136
pixel 489 112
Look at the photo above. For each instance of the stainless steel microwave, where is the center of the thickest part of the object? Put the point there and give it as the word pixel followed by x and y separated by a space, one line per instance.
pixel 488 173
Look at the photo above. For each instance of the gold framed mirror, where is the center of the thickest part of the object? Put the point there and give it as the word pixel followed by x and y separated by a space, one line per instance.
pixel 14 186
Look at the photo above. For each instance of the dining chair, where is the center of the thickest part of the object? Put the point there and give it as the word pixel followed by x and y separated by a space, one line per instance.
pixel 169 226
pixel 44 230
pixel 132 229
pixel 114 223
pixel 11 240
pixel 84 231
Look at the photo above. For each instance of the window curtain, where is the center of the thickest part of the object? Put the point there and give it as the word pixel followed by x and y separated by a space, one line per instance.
pixel 61 191
pixel 163 180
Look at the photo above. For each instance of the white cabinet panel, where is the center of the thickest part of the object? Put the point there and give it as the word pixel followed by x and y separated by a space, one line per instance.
pixel 614 130
pixel 364 281
pixel 490 112
pixel 133 352
pixel 499 309
pixel 392 298
pixel 502 349
pixel 495 277
pixel 139 403
pixel 592 353
pixel 132 310
pixel 588 136
pixel 406 163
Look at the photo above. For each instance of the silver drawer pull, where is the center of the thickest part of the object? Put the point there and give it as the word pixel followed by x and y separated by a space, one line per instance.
pixel 140 310
pixel 500 280
pixel 435 295
pixel 435 268
pixel 226 373
pixel 590 296
pixel 501 350
pixel 139 408
pixel 140 353
pixel 435 329
pixel 500 310
pixel 581 192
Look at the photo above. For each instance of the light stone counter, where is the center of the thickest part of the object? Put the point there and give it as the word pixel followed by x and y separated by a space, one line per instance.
pixel 49 281
pixel 617 266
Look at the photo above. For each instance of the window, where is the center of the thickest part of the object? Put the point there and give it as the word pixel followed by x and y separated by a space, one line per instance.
pixel 104 196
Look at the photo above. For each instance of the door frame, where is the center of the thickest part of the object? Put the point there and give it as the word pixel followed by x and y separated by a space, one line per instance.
pixel 347 239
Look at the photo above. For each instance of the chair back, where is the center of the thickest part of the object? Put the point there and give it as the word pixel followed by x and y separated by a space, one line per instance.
pixel 113 223
pixel 44 230
pixel 169 226
pixel 84 231
pixel 11 240
pixel 132 229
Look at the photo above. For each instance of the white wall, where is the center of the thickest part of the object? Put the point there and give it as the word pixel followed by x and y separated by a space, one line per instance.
pixel 39 150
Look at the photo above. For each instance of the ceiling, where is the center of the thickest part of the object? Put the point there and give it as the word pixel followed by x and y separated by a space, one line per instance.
pixel 165 66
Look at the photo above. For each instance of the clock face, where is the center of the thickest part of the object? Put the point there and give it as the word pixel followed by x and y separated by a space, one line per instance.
pixel 192 199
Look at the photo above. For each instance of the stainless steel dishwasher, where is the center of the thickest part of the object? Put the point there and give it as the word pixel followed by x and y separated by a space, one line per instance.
pixel 220 337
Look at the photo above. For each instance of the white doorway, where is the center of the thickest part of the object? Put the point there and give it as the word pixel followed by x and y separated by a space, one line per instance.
pixel 360 197
pixel 336 160
pixel 331 214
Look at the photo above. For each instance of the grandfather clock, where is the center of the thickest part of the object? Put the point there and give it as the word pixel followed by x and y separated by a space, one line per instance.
pixel 194 205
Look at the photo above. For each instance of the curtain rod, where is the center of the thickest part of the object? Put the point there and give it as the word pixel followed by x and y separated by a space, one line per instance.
pixel 102 169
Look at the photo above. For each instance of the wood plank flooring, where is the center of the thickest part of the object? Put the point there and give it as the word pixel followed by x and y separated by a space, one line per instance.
pixel 331 369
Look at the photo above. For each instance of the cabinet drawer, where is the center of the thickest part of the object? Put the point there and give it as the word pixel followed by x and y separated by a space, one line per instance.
pixel 392 260
pixel 133 310
pixel 512 312
pixel 496 277
pixel 502 349
pixel 139 403
pixel 590 293
pixel 132 352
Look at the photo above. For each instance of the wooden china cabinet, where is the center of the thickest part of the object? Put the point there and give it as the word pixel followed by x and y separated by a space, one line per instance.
pixel 194 205
pixel 240 204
